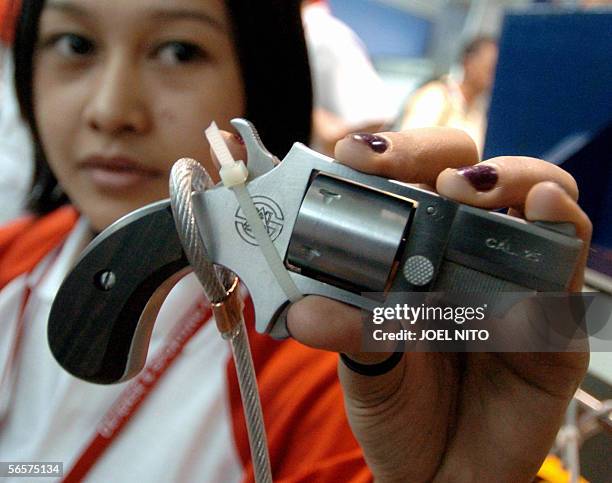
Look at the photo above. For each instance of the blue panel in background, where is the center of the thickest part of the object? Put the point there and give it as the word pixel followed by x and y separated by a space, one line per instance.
pixel 552 99
pixel 553 81
pixel 386 31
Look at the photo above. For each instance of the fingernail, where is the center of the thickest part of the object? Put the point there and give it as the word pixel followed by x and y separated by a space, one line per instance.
pixel 482 176
pixel 378 144
pixel 238 139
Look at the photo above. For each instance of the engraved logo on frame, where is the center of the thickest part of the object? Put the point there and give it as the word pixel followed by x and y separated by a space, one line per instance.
pixel 269 212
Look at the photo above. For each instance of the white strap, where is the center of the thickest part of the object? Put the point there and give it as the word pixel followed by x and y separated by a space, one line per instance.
pixel 265 243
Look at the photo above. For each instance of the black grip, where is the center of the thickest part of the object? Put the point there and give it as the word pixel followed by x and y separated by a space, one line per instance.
pixel 97 312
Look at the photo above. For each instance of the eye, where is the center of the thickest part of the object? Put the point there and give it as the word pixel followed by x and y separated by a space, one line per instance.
pixel 72 45
pixel 176 52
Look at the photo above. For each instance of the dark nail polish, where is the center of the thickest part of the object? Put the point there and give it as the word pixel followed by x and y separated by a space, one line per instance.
pixel 378 144
pixel 482 176
pixel 238 139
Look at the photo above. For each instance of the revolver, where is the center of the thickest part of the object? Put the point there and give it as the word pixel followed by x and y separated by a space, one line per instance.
pixel 340 233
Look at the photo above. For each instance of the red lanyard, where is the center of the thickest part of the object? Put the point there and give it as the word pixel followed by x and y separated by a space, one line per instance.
pixel 9 374
pixel 131 399
pixel 8 379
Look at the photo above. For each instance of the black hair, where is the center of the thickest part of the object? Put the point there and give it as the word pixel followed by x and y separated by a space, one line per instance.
pixel 474 45
pixel 274 64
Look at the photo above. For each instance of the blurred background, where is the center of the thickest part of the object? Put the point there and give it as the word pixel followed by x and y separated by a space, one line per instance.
pixel 420 38
pixel 410 41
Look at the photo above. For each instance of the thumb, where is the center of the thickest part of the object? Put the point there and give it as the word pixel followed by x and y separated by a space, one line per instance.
pixel 328 325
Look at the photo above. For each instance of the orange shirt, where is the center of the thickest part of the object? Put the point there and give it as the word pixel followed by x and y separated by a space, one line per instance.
pixel 8 15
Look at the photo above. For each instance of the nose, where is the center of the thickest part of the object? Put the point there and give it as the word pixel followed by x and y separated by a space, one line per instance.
pixel 116 104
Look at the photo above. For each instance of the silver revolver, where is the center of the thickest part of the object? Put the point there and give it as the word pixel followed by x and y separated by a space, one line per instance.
pixel 340 233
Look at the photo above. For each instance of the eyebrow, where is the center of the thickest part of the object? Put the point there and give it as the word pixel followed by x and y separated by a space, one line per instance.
pixel 66 7
pixel 160 14
pixel 186 14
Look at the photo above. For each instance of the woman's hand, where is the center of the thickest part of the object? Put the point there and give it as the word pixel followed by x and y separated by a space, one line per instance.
pixel 450 416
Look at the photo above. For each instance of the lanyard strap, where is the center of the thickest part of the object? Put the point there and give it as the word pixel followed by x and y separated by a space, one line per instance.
pixel 8 378
pixel 131 399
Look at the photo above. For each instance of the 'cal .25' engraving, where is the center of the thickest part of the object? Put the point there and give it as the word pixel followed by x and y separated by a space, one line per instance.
pixel 508 248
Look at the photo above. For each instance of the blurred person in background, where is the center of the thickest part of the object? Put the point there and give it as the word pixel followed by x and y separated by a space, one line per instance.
pixel 341 73
pixel 15 146
pixel 446 102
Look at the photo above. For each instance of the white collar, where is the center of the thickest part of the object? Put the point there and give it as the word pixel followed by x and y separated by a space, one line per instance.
pixel 49 275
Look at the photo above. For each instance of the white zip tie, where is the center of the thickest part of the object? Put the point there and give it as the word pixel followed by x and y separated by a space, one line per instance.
pixel 218 145
pixel 234 175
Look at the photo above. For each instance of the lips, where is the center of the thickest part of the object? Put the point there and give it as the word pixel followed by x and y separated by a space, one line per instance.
pixel 118 172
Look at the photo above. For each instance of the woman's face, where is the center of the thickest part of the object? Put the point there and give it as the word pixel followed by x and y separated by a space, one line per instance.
pixel 480 67
pixel 122 89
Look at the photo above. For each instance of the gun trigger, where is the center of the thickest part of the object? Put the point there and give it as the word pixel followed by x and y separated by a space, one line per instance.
pixel 260 160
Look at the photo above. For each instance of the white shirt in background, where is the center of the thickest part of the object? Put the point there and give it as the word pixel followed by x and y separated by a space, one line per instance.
pixel 344 80
pixel 16 161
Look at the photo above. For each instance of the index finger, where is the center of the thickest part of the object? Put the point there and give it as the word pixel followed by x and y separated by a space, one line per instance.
pixel 412 156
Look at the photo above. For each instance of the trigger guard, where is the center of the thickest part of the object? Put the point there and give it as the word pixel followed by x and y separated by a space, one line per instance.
pixel 139 348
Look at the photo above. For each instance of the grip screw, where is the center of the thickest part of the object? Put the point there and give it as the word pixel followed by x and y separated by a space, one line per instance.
pixel 105 280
